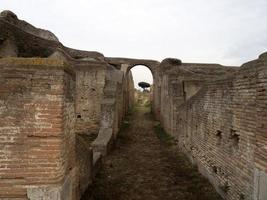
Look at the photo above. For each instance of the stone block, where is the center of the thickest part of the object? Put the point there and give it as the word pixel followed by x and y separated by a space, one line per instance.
pixel 260 185
pixel 53 192
pixel 103 142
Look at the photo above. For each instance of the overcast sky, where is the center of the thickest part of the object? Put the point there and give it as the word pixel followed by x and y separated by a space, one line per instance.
pixel 228 32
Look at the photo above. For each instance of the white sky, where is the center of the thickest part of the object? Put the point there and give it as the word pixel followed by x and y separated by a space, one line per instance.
pixel 141 74
pixel 229 32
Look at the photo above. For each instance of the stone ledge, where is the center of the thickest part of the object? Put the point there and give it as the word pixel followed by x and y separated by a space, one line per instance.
pixel 103 142
pixel 40 63
pixel 108 101
pixel 260 184
pixel 62 191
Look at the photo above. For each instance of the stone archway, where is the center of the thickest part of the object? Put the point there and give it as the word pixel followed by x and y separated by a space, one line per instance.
pixel 141 73
pixel 126 64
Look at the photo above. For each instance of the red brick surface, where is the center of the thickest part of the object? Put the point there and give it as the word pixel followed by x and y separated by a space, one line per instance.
pixel 37 120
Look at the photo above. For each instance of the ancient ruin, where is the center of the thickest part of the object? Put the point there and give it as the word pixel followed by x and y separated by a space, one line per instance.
pixel 61 110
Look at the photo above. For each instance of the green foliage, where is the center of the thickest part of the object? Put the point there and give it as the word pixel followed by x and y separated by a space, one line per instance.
pixel 131 111
pixel 147 104
pixel 122 132
pixel 163 136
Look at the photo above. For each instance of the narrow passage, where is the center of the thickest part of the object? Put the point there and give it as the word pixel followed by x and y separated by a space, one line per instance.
pixel 146 165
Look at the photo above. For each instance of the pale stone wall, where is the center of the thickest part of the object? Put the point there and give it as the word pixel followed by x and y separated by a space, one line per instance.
pixel 111 111
pixel 131 89
pixel 128 90
pixel 90 81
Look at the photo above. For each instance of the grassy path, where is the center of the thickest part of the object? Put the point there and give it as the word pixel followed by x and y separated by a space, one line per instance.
pixel 146 165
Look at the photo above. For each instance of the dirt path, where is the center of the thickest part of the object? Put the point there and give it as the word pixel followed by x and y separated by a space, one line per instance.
pixel 147 166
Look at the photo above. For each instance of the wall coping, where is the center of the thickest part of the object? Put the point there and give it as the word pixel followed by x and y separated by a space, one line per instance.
pixel 40 63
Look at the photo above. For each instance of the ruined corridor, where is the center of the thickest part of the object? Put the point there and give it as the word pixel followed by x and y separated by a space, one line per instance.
pixel 146 164
pixel 63 117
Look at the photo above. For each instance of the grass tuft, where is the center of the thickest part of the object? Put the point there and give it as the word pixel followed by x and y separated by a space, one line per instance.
pixel 163 136
pixel 123 129
pixel 132 110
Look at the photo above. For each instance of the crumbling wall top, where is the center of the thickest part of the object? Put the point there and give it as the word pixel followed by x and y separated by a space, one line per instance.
pixel 12 18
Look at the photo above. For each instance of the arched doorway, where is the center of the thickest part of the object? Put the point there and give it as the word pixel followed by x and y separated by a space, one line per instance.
pixel 141 73
pixel 136 73
pixel 125 65
pixel 142 95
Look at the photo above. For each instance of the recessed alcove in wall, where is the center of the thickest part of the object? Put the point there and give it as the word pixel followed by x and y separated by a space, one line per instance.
pixel 234 140
pixel 218 137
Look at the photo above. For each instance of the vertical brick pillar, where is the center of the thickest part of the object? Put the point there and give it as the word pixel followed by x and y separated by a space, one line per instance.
pixel 37 139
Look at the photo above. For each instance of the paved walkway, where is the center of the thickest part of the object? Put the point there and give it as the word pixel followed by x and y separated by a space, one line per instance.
pixel 145 165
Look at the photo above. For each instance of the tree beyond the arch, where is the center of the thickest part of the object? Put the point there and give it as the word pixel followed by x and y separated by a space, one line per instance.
pixel 144 85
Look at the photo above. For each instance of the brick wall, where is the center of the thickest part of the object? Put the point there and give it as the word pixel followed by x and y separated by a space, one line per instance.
pixel 222 130
pixel 37 124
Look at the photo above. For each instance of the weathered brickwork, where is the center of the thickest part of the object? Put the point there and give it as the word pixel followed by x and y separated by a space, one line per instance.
pixel 90 81
pixel 222 128
pixel 55 99
pixel 178 82
pixel 37 120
